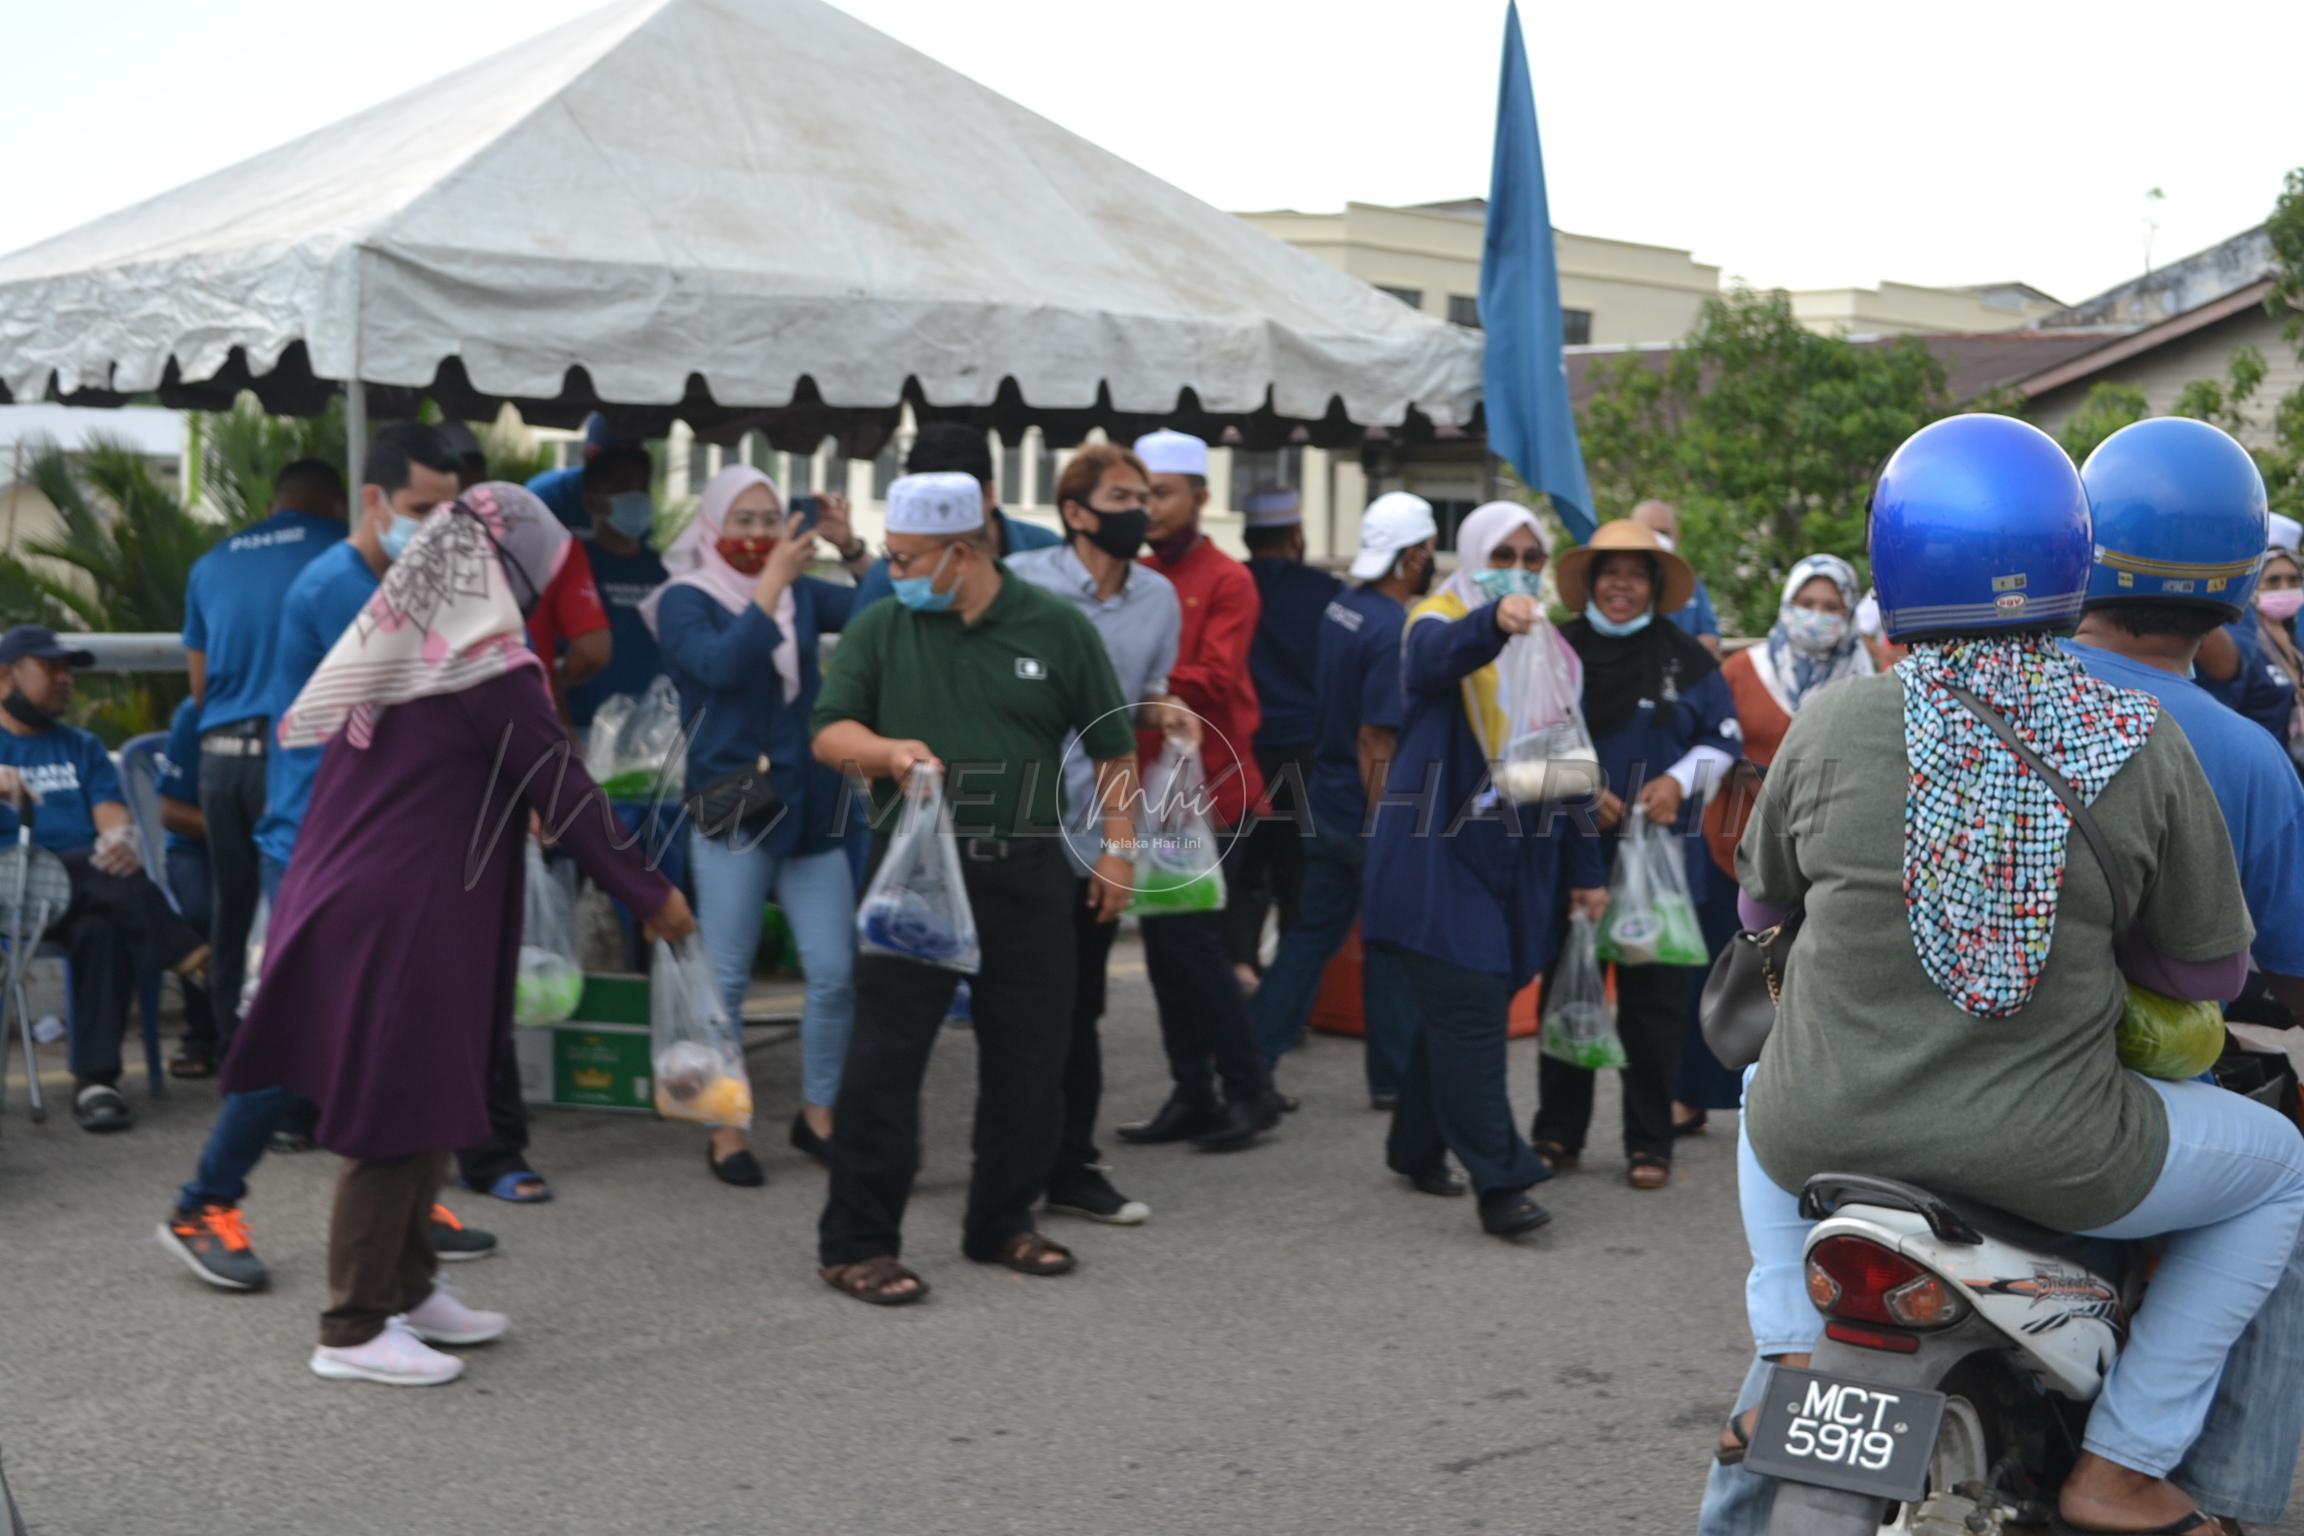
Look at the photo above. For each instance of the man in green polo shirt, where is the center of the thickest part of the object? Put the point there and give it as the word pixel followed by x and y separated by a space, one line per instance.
pixel 981 678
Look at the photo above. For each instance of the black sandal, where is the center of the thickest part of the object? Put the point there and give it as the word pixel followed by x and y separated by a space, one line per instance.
pixel 1729 1456
pixel 874 1281
pixel 1648 1171
pixel 1029 1253
pixel 1554 1156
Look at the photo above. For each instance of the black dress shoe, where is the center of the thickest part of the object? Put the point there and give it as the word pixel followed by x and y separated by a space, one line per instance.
pixel 1510 1213
pixel 1179 1120
pixel 1444 1182
pixel 100 1109
pixel 1384 1103
pixel 807 1143
pixel 741 1169
pixel 1238 1125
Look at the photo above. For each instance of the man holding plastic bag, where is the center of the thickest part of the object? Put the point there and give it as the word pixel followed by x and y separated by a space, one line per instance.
pixel 959 697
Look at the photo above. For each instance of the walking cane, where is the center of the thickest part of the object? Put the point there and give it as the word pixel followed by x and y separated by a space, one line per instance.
pixel 17 960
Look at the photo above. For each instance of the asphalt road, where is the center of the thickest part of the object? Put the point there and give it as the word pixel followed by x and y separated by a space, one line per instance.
pixel 1295 1344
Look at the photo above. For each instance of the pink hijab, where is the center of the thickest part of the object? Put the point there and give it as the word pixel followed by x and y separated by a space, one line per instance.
pixel 447 618
pixel 694 561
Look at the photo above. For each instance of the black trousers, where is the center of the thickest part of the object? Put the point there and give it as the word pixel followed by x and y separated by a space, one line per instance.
pixel 118 928
pixel 1268 868
pixel 506 1148
pixel 1455 1098
pixel 232 803
pixel 1084 1059
pixel 1204 1023
pixel 1651 1012
pixel 1022 997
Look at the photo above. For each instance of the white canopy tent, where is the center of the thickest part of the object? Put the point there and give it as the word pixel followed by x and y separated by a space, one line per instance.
pixel 742 213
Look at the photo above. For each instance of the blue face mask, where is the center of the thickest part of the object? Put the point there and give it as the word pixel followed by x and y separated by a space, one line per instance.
pixel 396 537
pixel 919 593
pixel 1497 583
pixel 632 514
pixel 1611 628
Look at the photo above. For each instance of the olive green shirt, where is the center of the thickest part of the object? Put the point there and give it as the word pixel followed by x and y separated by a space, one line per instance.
pixel 995 700
pixel 1872 1069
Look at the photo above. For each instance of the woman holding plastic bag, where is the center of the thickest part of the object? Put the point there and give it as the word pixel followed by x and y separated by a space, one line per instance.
pixel 739 629
pixel 1664 729
pixel 1462 895
pixel 393 949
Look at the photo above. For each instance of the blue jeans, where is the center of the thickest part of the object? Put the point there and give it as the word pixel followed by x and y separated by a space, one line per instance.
pixel 243 1129
pixel 1283 1002
pixel 818 894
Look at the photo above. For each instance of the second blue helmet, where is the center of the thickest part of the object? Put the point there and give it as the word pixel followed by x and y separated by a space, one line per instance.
pixel 1978 524
pixel 2180 517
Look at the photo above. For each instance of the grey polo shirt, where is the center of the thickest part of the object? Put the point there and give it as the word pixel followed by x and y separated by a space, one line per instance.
pixel 1139 627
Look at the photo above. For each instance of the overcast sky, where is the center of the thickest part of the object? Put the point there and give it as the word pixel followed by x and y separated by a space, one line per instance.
pixel 1793 144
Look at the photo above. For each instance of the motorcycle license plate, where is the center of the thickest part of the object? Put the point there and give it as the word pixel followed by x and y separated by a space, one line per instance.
pixel 1838 1432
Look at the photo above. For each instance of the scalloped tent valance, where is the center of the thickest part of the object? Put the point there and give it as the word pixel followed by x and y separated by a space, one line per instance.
pixel 748 214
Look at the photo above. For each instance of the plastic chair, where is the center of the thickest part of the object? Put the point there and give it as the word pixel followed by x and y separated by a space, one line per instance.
pixel 34 891
pixel 139 780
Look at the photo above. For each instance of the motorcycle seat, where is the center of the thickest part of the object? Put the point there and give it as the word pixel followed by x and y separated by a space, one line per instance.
pixel 1953 1218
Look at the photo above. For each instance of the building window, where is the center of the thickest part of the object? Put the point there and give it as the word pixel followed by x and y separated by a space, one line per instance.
pixel 1464 310
pixel 1576 327
pixel 887 464
pixel 1449 512
pixel 757 453
pixel 1412 297
pixel 1253 468
pixel 1043 470
pixel 799 473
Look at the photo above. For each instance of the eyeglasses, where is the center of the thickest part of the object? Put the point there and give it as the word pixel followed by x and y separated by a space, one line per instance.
pixel 1530 559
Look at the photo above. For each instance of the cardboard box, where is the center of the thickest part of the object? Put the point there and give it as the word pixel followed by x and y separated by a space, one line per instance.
pixel 599 1059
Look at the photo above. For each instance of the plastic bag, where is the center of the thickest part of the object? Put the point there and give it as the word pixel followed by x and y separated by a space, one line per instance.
pixel 1177 868
pixel 551 979
pixel 633 753
pixel 252 969
pixel 1549 755
pixel 1651 917
pixel 916 907
pixel 2163 1038
pixel 697 1054
pixel 1579 1021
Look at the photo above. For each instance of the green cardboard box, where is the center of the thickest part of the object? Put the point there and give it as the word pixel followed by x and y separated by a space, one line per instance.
pixel 599 1059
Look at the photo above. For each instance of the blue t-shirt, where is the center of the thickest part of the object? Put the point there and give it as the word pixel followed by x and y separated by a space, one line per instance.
pixel 176 771
pixel 1017 535
pixel 563 491
pixel 1696 615
pixel 320 606
pixel 633 661
pixel 2262 692
pixel 232 610
pixel 2257 790
pixel 1358 684
pixel 71 773
pixel 1284 657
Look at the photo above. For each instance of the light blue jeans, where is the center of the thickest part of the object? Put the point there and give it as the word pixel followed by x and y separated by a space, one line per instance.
pixel 818 894
pixel 2229 1204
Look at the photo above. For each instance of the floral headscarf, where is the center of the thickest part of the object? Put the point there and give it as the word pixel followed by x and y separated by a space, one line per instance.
pixel 1789 667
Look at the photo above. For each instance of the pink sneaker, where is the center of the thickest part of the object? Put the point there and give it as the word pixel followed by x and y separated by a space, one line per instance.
pixel 444 1319
pixel 394 1358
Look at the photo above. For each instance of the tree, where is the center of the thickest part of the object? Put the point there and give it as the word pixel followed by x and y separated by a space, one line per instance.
pixel 242 452
pixel 1765 435
pixel 2108 407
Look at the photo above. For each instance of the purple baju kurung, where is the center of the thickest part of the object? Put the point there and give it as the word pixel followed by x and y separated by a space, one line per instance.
pixel 392 950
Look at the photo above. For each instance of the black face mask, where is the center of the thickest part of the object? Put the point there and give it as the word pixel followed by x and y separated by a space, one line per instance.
pixel 26 713
pixel 1424 582
pixel 1118 534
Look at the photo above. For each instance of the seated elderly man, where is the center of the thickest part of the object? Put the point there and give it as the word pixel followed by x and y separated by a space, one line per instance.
pixel 119 924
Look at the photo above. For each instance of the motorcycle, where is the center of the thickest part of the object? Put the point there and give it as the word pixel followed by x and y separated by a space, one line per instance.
pixel 1961 1350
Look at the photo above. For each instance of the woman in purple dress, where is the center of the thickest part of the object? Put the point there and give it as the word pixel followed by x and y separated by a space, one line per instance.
pixel 395 938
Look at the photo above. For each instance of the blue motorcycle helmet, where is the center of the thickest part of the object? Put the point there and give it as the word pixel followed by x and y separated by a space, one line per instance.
pixel 1978 525
pixel 2180 517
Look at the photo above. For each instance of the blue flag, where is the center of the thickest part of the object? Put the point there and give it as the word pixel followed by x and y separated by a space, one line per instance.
pixel 1531 424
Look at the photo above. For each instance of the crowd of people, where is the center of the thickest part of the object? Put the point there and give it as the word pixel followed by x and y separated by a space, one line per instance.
pixel 391 689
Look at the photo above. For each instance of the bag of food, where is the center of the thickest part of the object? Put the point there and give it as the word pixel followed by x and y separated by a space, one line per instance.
pixel 1549 755
pixel 1579 1021
pixel 1176 858
pixel 916 907
pixel 634 753
pixel 697 1053
pixel 252 967
pixel 1651 917
pixel 2161 1037
pixel 551 978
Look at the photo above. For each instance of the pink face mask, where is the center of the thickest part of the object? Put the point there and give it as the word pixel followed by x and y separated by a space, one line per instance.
pixel 2280 607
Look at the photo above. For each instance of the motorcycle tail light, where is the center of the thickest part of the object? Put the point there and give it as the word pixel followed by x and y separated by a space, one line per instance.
pixel 1887 1339
pixel 1928 1302
pixel 1860 1281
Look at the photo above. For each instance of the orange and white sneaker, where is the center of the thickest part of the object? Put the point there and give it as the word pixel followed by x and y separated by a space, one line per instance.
pixel 454 1241
pixel 214 1242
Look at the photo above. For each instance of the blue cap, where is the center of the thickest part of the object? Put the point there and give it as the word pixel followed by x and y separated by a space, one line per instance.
pixel 599 434
pixel 2180 517
pixel 39 640
pixel 1978 524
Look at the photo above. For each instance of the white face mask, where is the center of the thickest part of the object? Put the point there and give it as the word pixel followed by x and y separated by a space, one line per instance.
pixel 1669 544
pixel 1814 633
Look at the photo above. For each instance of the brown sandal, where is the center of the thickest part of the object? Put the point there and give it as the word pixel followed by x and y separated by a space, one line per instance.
pixel 1029 1253
pixel 1554 1156
pixel 1648 1171
pixel 874 1281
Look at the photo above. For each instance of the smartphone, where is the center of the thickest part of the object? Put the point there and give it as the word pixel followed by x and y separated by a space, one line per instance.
pixel 806 509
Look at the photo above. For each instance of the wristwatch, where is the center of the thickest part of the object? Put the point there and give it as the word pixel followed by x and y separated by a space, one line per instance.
pixel 853 552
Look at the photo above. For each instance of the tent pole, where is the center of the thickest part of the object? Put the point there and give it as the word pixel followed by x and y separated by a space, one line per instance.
pixel 355 426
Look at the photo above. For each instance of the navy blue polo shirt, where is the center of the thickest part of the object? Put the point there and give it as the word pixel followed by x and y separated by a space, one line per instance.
pixel 1359 684
pixel 1283 660
pixel 232 610
pixel 634 660
pixel 72 774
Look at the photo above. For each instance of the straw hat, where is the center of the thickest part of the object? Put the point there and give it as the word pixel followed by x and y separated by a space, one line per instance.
pixel 1675 577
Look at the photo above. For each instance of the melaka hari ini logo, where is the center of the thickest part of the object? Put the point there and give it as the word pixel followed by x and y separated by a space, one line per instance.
pixel 1172 808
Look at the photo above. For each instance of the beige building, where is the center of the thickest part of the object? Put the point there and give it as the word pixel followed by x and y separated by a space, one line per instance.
pixel 1905 309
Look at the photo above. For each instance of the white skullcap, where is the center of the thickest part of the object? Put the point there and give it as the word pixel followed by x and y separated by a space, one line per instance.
pixel 937 505
pixel 1393 522
pixel 1272 507
pixel 2287 533
pixel 1173 453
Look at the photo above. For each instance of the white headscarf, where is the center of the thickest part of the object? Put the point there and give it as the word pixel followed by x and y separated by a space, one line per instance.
pixel 1791 674
pixel 694 560
pixel 448 616
pixel 1484 528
